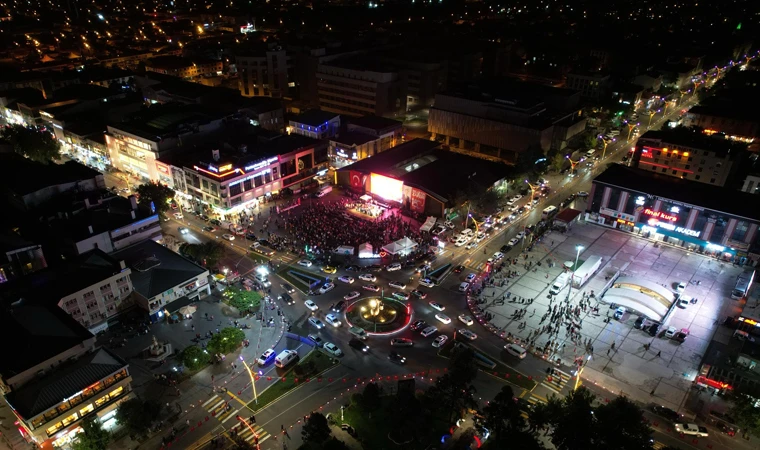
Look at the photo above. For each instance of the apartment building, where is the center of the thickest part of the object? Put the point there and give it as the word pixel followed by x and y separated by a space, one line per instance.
pixel 19 256
pixel 360 86
pixel 186 68
pixel 265 71
pixel 689 155
pixel 53 377
pixel 591 85
pixel 365 137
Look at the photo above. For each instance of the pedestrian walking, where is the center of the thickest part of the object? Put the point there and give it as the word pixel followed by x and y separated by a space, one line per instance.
pixel 659 353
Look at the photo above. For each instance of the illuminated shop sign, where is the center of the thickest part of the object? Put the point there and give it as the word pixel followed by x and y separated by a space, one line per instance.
pixel 660 215
pixel 225 168
pixel 250 177
pixel 261 164
pixel 748 321
pixel 671 227
pixel 213 168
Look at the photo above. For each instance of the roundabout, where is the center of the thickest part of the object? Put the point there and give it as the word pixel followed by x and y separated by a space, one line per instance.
pixel 379 315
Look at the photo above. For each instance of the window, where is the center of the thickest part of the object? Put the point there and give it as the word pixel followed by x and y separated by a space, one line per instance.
pixel 53 429
pixel 70 419
pixel 101 401
pixel 697 177
pixel 664 169
pixel 87 409
pixel 674 172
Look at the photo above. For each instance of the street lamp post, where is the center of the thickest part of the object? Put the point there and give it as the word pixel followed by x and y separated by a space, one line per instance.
pixel 253 380
pixel 532 193
pixel 605 142
pixel 651 114
pixel 578 248
pixel 631 126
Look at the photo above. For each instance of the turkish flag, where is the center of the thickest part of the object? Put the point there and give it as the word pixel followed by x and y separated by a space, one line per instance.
pixel 356 179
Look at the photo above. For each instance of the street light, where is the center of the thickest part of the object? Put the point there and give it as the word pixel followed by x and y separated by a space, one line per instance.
pixel 651 114
pixel 631 126
pixel 253 380
pixel 578 373
pixel 605 142
pixel 578 248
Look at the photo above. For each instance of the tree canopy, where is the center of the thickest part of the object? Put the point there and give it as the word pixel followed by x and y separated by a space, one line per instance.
pixel 137 415
pixel 226 341
pixel 32 142
pixel 155 196
pixel 194 358
pixel 93 436
pixel 316 430
pixel 746 414
pixel 241 299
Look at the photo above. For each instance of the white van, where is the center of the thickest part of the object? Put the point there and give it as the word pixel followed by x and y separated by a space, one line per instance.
pixel 514 350
pixel 464 287
pixel 590 153
pixel 548 212
pixel 324 191
pixel 559 283
pixel 285 357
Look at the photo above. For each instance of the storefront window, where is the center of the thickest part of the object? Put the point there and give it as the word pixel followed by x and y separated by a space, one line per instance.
pixel 73 401
pixel 54 429
pixel 109 381
pixel 101 401
pixel 740 231
pixel 87 409
pixel 614 199
pixel 63 407
pixel 70 419
pixel 116 392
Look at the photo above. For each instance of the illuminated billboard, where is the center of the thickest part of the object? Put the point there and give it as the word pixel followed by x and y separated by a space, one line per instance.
pixel 387 188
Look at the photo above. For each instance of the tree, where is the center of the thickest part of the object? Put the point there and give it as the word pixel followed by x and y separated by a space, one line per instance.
pixel 746 414
pixel 334 444
pixel 620 425
pixel 208 253
pixel 557 162
pixel 371 397
pixel 502 415
pixel 409 418
pixel 540 415
pixel 462 366
pixel 316 429
pixel 226 341
pixel 137 416
pixel 527 160
pixel 32 142
pixel 155 196
pixel 574 427
pixel 194 358
pixel 93 437
pixel 487 202
pixel 450 396
pixel 242 299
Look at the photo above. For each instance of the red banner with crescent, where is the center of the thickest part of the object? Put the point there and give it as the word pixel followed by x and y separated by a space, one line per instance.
pixel 356 179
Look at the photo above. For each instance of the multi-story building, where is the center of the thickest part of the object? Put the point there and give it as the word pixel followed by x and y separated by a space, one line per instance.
pixel 365 136
pixel 504 119
pixel 732 117
pixel 713 220
pixel 20 257
pixel 265 71
pixel 244 170
pixel 359 87
pixel 689 155
pixel 163 280
pixel 134 146
pixel 24 192
pixel 53 377
pixel 591 85
pixel 752 183
pixel 425 73
pixel 315 124
pixel 181 67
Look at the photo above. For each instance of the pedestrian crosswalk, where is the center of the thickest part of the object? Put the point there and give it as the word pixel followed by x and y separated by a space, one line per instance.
pixel 556 381
pixel 236 418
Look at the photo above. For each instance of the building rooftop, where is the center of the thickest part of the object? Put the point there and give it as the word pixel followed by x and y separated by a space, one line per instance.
pixel 171 62
pixel 155 268
pixel 353 138
pixel 695 139
pixel 18 182
pixel 66 380
pixel 376 123
pixel 393 157
pixel 35 332
pixel 168 119
pixel 726 200
pixel 360 64
pixel 314 117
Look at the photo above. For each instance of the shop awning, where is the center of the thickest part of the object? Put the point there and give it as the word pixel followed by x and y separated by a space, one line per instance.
pixel 428 225
pixel 174 306
pixel 365 198
pixel 400 247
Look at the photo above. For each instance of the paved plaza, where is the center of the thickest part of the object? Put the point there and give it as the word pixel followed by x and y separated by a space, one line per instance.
pixel 614 350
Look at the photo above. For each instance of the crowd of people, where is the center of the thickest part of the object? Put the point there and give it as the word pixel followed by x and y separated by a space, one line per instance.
pixel 325 226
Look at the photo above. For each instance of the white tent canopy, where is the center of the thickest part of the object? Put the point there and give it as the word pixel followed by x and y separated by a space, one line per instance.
pixel 365 198
pixel 400 247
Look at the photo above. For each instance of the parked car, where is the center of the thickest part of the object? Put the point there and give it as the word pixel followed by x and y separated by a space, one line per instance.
pixel 352 295
pixel 346 279
pixel 670 332
pixel 401 342
pixel 327 287
pixel 467 320
pixel 438 306
pixel 440 341
pixel 332 349
pixel 367 277
pixel 667 413
pixel 639 322
pixel 311 305
pixel 305 263
pixel 681 336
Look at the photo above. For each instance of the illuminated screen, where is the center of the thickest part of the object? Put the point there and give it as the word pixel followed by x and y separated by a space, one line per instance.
pixel 385 187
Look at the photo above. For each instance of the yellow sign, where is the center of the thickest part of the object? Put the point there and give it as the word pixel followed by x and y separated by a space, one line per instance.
pixel 225 168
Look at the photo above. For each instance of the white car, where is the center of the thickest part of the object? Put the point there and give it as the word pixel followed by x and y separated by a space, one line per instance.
pixel 316 322
pixel 443 318
pixel 327 287
pixel 468 334
pixel 393 267
pixel 229 237
pixel 470 277
pixel 403 296
pixel 449 224
pixel 670 332
pixel 333 320
pixel 520 235
pixel 467 232
pixel 480 237
pixel 183 230
pixel 497 256
pixel 367 277
pixel 471 245
pixel 428 331
pixel 680 287
pixel 266 357
pixel 427 282
pixel 351 295
pixel 467 320
pixel 311 305
pixel 305 263
pixel 459 243
pixel 440 341
pixel 582 194
pixel 346 279
pixel 397 284
pixel 371 287
pixel 332 349
pixel 178 216
pixel 438 306
pixel 512 242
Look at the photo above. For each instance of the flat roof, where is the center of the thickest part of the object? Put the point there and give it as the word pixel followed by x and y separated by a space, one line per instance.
pixel 393 156
pixel 376 123
pixel 17 170
pixel 696 139
pixel 354 138
pixel 176 62
pixel 161 120
pixel 43 393
pixel 726 200
pixel 314 117
pixel 155 268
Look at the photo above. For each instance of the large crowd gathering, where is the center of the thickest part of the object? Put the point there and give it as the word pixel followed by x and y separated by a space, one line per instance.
pixel 325 226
